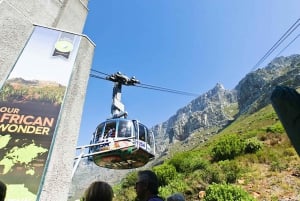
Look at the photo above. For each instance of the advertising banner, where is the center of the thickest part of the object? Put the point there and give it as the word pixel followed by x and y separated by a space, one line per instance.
pixel 30 104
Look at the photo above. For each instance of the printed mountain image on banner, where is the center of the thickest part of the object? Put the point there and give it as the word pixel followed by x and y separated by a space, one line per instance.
pixel 30 105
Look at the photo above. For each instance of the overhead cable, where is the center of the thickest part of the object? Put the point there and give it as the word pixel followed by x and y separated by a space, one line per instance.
pixel 99 72
pixel 96 76
pixel 287 45
pixel 146 86
pixel 282 38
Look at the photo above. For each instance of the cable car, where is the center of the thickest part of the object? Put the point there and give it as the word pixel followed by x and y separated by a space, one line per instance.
pixel 118 142
pixel 122 144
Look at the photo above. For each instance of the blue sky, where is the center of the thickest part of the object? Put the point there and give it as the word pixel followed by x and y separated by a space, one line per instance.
pixel 186 45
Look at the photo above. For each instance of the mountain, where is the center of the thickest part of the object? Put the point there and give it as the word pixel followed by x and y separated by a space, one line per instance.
pixel 254 91
pixel 218 107
pixel 213 109
pixel 204 117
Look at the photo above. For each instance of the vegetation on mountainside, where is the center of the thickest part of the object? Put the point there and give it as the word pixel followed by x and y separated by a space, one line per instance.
pixel 52 93
pixel 251 159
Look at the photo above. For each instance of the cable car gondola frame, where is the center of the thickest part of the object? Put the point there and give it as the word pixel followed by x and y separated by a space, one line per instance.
pixel 124 144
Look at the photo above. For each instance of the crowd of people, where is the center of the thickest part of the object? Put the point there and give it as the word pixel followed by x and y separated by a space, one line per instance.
pixel 146 188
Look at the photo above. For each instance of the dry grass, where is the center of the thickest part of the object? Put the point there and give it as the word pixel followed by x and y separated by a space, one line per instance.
pixel 264 184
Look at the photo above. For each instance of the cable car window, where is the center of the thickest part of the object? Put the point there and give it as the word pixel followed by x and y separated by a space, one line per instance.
pixel 110 129
pixel 142 132
pixel 124 129
pixel 99 132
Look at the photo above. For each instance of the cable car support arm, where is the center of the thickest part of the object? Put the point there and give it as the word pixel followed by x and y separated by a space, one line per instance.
pixel 117 107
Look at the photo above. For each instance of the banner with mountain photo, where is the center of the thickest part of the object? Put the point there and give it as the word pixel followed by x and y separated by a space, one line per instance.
pixel 30 104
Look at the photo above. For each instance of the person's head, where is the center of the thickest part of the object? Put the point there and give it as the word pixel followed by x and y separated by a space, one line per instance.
pixel 147 184
pixel 99 190
pixel 2 191
pixel 176 197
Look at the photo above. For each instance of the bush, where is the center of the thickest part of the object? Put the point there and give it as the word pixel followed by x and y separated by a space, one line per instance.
pixel 227 171
pixel 129 180
pixel 231 170
pixel 277 166
pixel 213 174
pixel 224 192
pixel 125 194
pixel 174 186
pixel 165 173
pixel 289 152
pixel 276 128
pixel 187 162
pixel 227 147
pixel 252 145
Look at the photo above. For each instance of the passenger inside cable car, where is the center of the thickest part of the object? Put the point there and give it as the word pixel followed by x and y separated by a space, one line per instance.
pixel 110 130
pixel 124 129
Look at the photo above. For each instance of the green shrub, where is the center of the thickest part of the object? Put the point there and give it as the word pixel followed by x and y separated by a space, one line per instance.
pixel 227 147
pixel 227 171
pixel 289 152
pixel 174 186
pixel 276 128
pixel 252 145
pixel 129 180
pixel 187 162
pixel 165 173
pixel 231 170
pixel 277 166
pixel 126 194
pixel 177 160
pixel 224 192
pixel 268 155
pixel 262 156
pixel 213 174
pixel 165 191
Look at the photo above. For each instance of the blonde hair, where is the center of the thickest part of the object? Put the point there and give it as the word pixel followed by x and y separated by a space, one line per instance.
pixel 99 190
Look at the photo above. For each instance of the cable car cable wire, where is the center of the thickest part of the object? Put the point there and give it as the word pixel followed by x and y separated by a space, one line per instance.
pixel 287 45
pixel 282 38
pixel 99 72
pixel 96 76
pixel 146 86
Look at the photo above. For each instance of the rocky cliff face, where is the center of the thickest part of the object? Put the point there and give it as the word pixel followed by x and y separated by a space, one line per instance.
pixel 214 108
pixel 254 90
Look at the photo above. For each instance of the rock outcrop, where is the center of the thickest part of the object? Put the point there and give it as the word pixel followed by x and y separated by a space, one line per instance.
pixel 212 109
pixel 218 107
